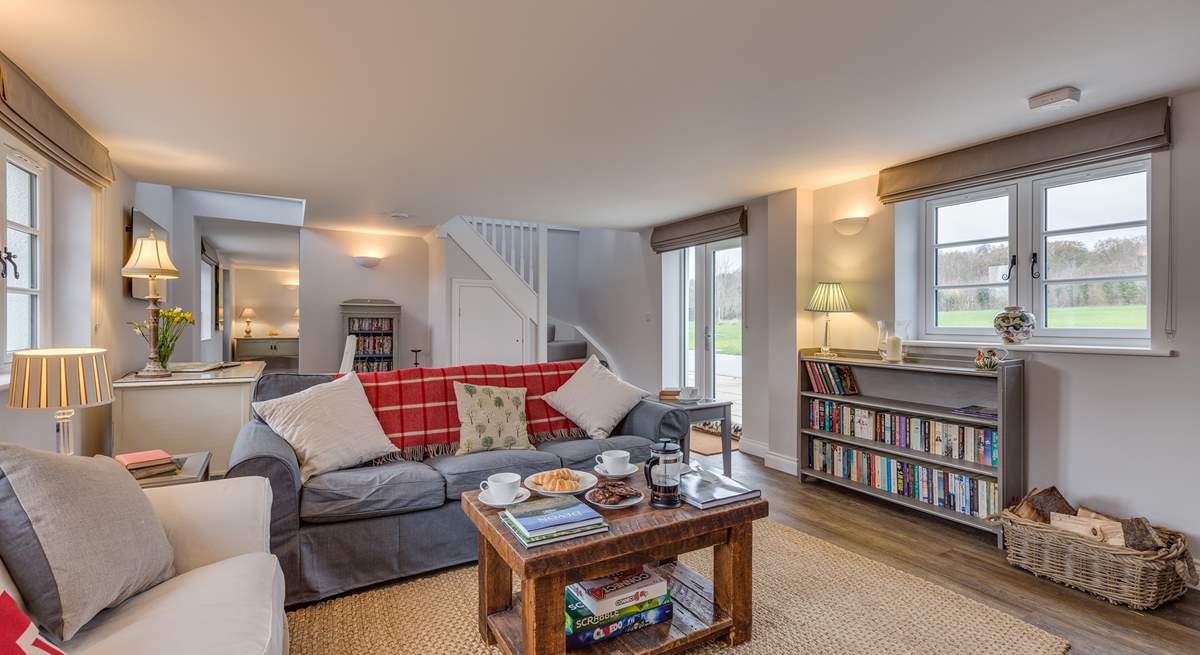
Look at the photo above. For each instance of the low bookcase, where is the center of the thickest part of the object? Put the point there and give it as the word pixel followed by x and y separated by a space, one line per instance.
pixel 922 388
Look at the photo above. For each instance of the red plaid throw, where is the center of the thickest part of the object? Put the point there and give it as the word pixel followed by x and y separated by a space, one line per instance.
pixel 419 413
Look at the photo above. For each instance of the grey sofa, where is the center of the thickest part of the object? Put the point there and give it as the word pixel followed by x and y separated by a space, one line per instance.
pixel 361 526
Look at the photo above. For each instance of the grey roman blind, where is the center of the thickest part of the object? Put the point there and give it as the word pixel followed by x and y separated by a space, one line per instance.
pixel 32 116
pixel 1118 133
pixel 698 230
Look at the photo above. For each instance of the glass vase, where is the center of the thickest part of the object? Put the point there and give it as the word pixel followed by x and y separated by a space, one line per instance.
pixel 891 341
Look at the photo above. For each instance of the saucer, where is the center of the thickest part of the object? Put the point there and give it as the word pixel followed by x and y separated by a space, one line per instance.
pixel 486 498
pixel 618 476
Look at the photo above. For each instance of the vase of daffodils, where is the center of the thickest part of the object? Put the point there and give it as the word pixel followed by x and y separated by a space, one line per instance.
pixel 171 323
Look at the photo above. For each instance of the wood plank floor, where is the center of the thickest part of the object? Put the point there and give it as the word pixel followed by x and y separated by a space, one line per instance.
pixel 967 561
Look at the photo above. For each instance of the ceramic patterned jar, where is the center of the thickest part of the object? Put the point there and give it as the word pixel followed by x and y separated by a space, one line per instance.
pixel 1014 324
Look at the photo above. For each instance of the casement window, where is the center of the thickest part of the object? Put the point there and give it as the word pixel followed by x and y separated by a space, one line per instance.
pixel 24 305
pixel 1073 247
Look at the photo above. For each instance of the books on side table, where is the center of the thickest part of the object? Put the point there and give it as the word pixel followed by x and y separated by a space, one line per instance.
pixel 148 463
pixel 549 520
pixel 600 609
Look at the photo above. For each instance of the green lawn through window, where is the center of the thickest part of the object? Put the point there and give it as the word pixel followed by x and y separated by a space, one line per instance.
pixel 729 337
pixel 1102 316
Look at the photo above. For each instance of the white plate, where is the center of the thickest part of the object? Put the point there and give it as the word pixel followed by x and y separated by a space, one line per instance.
pixel 628 502
pixel 600 472
pixel 486 498
pixel 586 481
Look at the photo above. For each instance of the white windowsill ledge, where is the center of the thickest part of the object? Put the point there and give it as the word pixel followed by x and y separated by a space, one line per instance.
pixel 1047 348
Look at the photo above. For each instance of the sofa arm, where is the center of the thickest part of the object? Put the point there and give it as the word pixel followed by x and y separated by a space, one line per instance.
pixel 259 452
pixel 654 421
pixel 212 521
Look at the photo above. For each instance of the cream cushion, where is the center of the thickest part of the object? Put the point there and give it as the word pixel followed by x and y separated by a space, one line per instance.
pixel 595 398
pixel 231 606
pixel 331 426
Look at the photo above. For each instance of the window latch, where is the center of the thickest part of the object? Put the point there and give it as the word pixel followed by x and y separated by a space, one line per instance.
pixel 1012 263
pixel 7 258
pixel 1033 267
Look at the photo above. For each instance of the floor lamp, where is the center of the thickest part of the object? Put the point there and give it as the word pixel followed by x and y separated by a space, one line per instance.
pixel 60 379
pixel 828 297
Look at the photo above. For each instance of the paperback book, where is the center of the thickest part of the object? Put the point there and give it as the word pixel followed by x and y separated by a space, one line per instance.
pixel 548 515
pixel 615 592
pixel 552 537
pixel 829 378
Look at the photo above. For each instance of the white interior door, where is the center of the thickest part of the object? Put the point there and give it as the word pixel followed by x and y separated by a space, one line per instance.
pixel 486 328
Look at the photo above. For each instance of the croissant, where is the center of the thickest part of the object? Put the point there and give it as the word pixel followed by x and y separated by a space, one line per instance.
pixel 557 474
pixel 559 484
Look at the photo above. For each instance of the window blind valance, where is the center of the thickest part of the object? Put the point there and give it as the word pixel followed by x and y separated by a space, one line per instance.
pixel 698 230
pixel 31 115
pixel 1121 132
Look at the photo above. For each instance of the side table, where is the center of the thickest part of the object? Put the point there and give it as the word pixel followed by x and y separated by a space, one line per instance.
pixel 708 409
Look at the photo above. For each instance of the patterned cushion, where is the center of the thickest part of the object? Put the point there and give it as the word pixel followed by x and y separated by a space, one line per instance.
pixel 417 408
pixel 492 418
pixel 18 634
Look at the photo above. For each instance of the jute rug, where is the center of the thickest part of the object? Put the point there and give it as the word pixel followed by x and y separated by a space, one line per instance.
pixel 708 444
pixel 810 596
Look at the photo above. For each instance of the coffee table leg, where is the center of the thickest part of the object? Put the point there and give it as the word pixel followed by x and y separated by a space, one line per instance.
pixel 732 590
pixel 542 610
pixel 727 441
pixel 495 587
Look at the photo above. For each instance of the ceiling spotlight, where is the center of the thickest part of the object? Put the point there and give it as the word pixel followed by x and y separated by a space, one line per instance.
pixel 1056 99
pixel 399 215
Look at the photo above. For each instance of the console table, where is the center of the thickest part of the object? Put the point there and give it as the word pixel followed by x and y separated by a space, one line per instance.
pixel 187 412
pixel 709 409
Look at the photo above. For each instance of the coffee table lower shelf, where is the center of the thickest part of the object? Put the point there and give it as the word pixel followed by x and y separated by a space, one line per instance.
pixel 694 620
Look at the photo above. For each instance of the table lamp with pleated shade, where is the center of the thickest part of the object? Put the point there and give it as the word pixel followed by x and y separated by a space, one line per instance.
pixel 828 297
pixel 151 260
pixel 62 380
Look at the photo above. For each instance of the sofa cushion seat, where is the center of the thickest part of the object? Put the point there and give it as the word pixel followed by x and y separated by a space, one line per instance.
pixel 366 491
pixel 581 454
pixel 231 606
pixel 464 472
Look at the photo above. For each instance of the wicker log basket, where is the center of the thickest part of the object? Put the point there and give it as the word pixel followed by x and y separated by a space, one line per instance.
pixel 1142 580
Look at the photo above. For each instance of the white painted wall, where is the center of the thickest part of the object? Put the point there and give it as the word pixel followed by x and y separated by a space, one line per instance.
pixel 1116 433
pixel 328 276
pixel 264 290
pixel 620 294
pixel 447 262
pixel 562 275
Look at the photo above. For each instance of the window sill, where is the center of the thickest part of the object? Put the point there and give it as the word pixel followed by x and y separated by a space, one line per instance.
pixel 4 378
pixel 1048 348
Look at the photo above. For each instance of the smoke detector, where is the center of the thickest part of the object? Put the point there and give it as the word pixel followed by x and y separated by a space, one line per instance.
pixel 1067 96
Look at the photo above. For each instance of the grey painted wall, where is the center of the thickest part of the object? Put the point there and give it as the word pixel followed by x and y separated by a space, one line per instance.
pixel 562 275
pixel 328 276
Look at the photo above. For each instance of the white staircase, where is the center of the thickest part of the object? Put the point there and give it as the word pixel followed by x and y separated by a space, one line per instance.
pixel 511 253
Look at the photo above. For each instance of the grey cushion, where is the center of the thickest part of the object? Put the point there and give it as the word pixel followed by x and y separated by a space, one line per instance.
pixel 465 472
pixel 356 493
pixel 78 535
pixel 581 454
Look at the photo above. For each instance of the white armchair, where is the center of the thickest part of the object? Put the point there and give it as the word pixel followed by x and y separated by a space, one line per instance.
pixel 227 593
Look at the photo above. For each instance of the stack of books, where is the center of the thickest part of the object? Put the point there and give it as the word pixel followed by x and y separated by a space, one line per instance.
pixel 832 379
pixel 148 463
pixel 547 520
pixel 702 489
pixel 600 609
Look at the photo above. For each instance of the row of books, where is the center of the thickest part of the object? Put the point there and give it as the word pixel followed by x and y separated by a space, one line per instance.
pixel 370 324
pixel 553 519
pixel 372 365
pixel 148 464
pixel 966 442
pixel 600 609
pixel 833 379
pixel 374 345
pixel 954 491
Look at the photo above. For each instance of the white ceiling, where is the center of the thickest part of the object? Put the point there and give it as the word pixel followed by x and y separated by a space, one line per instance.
pixel 248 243
pixel 615 114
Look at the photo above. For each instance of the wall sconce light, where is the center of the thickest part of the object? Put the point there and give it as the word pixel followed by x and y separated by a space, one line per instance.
pixel 366 261
pixel 849 227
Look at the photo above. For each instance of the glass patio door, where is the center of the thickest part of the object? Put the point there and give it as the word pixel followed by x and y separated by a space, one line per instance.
pixel 711 321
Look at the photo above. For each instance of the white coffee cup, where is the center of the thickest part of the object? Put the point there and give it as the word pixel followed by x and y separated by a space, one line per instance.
pixel 502 487
pixel 613 462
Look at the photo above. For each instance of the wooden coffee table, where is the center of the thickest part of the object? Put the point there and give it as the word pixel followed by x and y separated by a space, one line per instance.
pixel 533 623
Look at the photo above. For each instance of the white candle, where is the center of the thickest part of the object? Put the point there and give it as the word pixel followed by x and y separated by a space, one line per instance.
pixel 892 345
